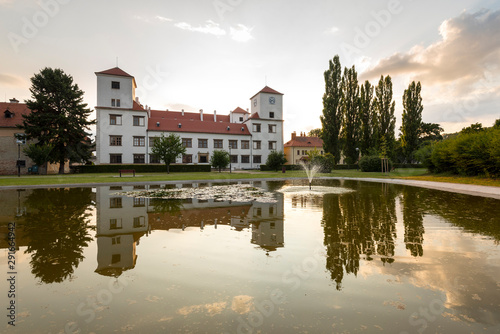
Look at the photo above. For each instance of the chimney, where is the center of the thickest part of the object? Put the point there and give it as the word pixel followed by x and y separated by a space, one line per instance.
pixel 201 114
pixel 182 112
pixel 137 99
pixel 13 100
pixel 294 135
pixel 215 115
pixel 230 116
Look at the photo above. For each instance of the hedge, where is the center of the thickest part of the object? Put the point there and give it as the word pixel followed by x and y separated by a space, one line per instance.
pixel 343 166
pixel 409 166
pixel 372 163
pixel 141 168
pixel 264 168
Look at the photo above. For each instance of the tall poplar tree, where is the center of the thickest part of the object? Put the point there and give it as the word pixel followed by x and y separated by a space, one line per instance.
pixel 367 118
pixel 58 117
pixel 412 120
pixel 385 106
pixel 350 111
pixel 331 120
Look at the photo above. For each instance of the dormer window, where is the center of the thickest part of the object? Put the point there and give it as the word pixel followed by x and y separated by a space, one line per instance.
pixel 8 114
pixel 115 84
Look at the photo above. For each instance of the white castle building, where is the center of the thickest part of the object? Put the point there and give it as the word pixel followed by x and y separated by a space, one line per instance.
pixel 126 130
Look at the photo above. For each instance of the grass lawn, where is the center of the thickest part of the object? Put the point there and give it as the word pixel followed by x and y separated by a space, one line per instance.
pixel 414 174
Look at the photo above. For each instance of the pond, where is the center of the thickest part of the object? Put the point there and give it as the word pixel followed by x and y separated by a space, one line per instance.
pixel 371 258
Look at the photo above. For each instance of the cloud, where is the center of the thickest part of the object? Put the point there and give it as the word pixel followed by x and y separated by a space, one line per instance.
pixel 148 20
pixel 332 30
pixel 11 80
pixel 163 19
pixel 210 27
pixel 468 51
pixel 241 33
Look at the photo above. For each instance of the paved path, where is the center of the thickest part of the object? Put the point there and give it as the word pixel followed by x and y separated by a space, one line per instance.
pixel 470 189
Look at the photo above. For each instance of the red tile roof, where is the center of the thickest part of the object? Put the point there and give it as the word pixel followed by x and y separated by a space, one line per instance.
pixel 305 142
pixel 18 109
pixel 137 106
pixel 240 111
pixel 191 122
pixel 269 90
pixel 254 116
pixel 115 71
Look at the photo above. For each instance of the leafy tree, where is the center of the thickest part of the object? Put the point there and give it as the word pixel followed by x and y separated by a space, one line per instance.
pixel 58 117
pixel 168 149
pixel 412 120
pixel 430 132
pixel 473 128
pixel 220 159
pixel 385 105
pixel 315 133
pixel 367 118
pixel 275 160
pixel 350 113
pixel 40 154
pixel 331 120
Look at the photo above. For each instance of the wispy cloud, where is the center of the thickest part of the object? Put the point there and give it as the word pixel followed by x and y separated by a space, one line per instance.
pixel 332 30
pixel 11 80
pixel 468 51
pixel 163 19
pixel 210 27
pixel 241 33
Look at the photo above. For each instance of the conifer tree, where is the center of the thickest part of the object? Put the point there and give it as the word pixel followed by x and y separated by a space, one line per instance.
pixel 412 120
pixel 58 117
pixel 331 120
pixel 350 112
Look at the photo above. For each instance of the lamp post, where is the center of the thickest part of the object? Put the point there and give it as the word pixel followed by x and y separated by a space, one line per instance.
pixel 230 160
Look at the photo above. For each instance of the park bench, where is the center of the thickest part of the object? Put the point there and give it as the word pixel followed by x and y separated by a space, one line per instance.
pixel 126 171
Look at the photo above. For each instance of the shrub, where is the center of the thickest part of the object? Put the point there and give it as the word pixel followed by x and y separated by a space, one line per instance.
pixel 326 162
pixel 372 163
pixel 141 168
pixel 275 160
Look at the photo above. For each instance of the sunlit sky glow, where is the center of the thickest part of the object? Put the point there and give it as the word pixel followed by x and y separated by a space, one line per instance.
pixel 216 54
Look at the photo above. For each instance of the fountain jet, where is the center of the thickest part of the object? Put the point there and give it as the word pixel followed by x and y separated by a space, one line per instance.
pixel 310 171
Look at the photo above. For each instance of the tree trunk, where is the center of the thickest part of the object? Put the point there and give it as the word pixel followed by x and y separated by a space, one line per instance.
pixel 61 166
pixel 168 168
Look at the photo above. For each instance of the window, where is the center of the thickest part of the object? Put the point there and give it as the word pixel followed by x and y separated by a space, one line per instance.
pixel 298 152
pixel 116 241
pixel 115 258
pixel 187 142
pixel 138 120
pixel 272 145
pixel 234 159
pixel 115 158
pixel 233 144
pixel 139 158
pixel 187 158
pixel 138 222
pixel 115 119
pixel 218 143
pixel 139 141
pixel 256 128
pixel 271 211
pixel 304 152
pixel 115 224
pixel 115 84
pixel 154 159
pixel 139 201
pixel 245 144
pixel 272 128
pixel 202 143
pixel 202 158
pixel 245 159
pixel 256 159
pixel 115 140
pixel 256 144
pixel 241 119
pixel 115 202
pixel 271 114
pixel 115 102
pixel 152 141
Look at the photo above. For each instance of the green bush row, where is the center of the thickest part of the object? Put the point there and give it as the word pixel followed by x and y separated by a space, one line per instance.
pixel 141 168
pixel 372 163
pixel 469 153
pixel 265 168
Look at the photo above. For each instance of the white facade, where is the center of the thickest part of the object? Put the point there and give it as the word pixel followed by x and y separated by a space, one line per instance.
pixel 125 128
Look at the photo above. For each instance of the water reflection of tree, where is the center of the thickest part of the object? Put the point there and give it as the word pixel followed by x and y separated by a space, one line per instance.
pixel 171 206
pixel 413 220
pixel 359 223
pixel 57 226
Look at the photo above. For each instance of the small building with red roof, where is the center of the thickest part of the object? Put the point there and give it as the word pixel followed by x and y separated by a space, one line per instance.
pixel 297 148
pixel 126 130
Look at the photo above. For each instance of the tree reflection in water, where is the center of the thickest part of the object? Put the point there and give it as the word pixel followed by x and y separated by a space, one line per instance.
pixel 57 226
pixel 362 222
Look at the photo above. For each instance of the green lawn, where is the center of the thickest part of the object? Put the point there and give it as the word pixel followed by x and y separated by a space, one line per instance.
pixel 415 173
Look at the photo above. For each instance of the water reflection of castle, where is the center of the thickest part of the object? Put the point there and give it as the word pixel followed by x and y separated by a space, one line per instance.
pixel 122 221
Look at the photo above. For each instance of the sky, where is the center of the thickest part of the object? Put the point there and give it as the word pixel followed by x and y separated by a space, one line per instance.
pixel 216 54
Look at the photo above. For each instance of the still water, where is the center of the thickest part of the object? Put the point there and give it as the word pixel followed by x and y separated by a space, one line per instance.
pixel 380 259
